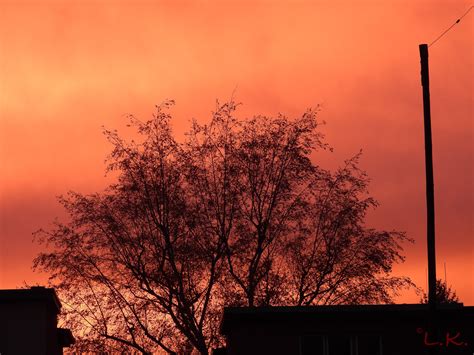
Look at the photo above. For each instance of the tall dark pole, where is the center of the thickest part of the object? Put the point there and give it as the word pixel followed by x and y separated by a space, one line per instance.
pixel 430 215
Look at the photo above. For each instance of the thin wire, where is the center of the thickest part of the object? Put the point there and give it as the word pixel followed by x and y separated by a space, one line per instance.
pixel 454 24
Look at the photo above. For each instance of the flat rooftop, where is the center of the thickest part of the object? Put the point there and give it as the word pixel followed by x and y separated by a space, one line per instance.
pixel 366 313
pixel 33 294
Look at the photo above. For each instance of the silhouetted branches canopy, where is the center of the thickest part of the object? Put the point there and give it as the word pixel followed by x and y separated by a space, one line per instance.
pixel 238 213
pixel 443 294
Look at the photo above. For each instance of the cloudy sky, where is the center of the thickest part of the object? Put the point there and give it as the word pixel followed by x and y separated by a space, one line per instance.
pixel 68 68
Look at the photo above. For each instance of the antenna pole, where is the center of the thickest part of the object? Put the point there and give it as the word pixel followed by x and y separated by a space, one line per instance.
pixel 425 82
pixel 445 277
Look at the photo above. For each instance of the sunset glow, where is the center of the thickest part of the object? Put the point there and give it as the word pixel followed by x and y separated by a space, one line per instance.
pixel 67 68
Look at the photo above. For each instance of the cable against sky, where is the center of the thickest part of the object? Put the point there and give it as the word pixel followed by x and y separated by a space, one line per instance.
pixel 449 28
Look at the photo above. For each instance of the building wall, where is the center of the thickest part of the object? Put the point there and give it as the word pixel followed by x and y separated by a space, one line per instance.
pixel 260 341
pixel 397 333
pixel 403 340
pixel 28 328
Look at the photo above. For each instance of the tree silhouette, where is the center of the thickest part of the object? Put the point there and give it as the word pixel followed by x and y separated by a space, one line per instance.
pixel 444 294
pixel 237 214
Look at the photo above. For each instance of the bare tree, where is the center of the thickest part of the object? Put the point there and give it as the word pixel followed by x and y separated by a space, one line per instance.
pixel 335 259
pixel 238 214
pixel 140 251
pixel 275 173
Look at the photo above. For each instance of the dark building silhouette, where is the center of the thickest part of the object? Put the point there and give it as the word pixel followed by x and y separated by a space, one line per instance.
pixel 408 329
pixel 28 323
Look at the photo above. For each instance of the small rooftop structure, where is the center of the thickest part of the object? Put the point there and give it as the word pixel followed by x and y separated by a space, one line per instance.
pixel 29 322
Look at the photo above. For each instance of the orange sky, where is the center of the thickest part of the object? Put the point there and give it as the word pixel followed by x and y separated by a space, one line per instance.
pixel 67 68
